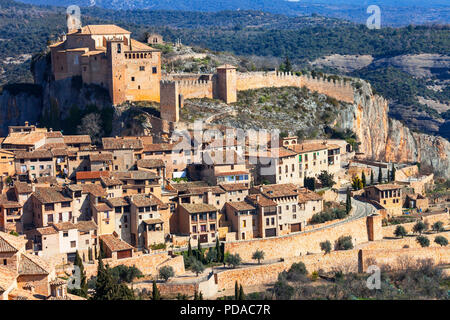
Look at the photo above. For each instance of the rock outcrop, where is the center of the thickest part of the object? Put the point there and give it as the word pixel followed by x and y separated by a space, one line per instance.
pixel 387 139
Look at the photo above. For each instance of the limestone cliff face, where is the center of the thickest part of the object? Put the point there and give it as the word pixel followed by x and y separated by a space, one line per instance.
pixel 387 139
pixel 16 108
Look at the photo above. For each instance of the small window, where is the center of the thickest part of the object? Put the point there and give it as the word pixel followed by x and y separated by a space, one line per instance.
pixel 5 262
pixel 155 70
pixel 65 234
pixel 142 68
pixel 73 244
pixel 132 78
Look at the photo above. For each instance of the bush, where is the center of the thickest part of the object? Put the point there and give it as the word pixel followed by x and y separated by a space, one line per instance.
pixel 283 291
pixel 442 241
pixel 400 231
pixel 419 227
pixel 344 243
pixel 258 255
pixel 325 246
pixel 438 226
pixel 158 246
pixel 233 260
pixel 126 274
pixel 166 273
pixel 297 272
pixel 197 267
pixel 423 241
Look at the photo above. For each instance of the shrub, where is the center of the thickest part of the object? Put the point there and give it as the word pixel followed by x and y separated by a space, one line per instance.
pixel 423 241
pixel 442 241
pixel 314 276
pixel 258 255
pixel 438 226
pixel 197 267
pixel 419 227
pixel 166 273
pixel 158 246
pixel 325 246
pixel 344 243
pixel 296 272
pixel 283 291
pixel 234 260
pixel 400 231
pixel 125 274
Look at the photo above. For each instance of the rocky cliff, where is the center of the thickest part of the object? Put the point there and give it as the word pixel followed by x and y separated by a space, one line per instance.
pixel 387 139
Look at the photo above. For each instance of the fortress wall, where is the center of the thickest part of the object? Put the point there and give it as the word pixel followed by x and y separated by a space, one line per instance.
pixel 398 259
pixel 338 90
pixel 195 89
pixel 294 245
pixel 255 80
pixel 149 264
pixel 431 219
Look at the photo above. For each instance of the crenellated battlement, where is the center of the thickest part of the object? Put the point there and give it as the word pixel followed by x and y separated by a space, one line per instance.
pixel 227 82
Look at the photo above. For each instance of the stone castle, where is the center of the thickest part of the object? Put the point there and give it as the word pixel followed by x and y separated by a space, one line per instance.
pixel 107 56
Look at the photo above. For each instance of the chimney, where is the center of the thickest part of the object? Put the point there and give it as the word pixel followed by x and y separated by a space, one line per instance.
pixel 257 197
pixel 261 189
pixel 50 130
pixel 26 123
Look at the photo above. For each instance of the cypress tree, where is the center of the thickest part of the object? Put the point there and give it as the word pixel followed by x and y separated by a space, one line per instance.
pixel 393 173
pixel 236 291
pixel 90 254
pixel 82 292
pixel 189 249
pixel 199 252
pixel 155 292
pixel 363 179
pixel 200 296
pixel 195 295
pixel 218 251
pixel 380 175
pixel 104 286
pixel 241 293
pixel 371 177
pixel 348 203
pixel 388 176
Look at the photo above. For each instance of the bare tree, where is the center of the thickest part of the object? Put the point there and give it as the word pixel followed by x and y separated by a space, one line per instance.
pixel 91 124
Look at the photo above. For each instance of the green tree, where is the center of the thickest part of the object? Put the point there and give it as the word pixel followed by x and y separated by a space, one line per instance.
pixel 388 176
pixel 189 249
pixel 371 178
pixel 155 292
pixel 90 254
pixel 393 173
pixel 104 285
pixel 195 295
pixel 442 241
pixel 357 183
pixel 218 250
pixel 325 246
pixel 419 227
pixel 197 267
pixel 166 273
pixel 380 175
pixel 83 290
pixel 258 255
pixel 423 241
pixel 241 293
pixel 363 180
pixel 234 260
pixel 309 183
pixel 438 226
pixel 236 290
pixel 348 202
pixel 326 179
pixel 344 243
pixel 199 252
pixel 400 231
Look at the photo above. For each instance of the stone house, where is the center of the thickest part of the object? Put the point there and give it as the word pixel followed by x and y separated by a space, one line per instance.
pixel 389 196
pixel 199 221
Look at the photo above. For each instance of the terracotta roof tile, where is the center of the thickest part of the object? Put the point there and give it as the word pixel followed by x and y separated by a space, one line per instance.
pixel 50 195
pixel 198 207
pixel 240 206
pixel 234 186
pixel 86 175
pixel 120 143
pixel 151 163
pixel 85 226
pixel 32 265
pixel 77 139
pixel 114 244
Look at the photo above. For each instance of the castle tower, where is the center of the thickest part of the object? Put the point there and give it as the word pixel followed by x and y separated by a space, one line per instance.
pixel 374 227
pixel 116 71
pixel 226 83
pixel 171 101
